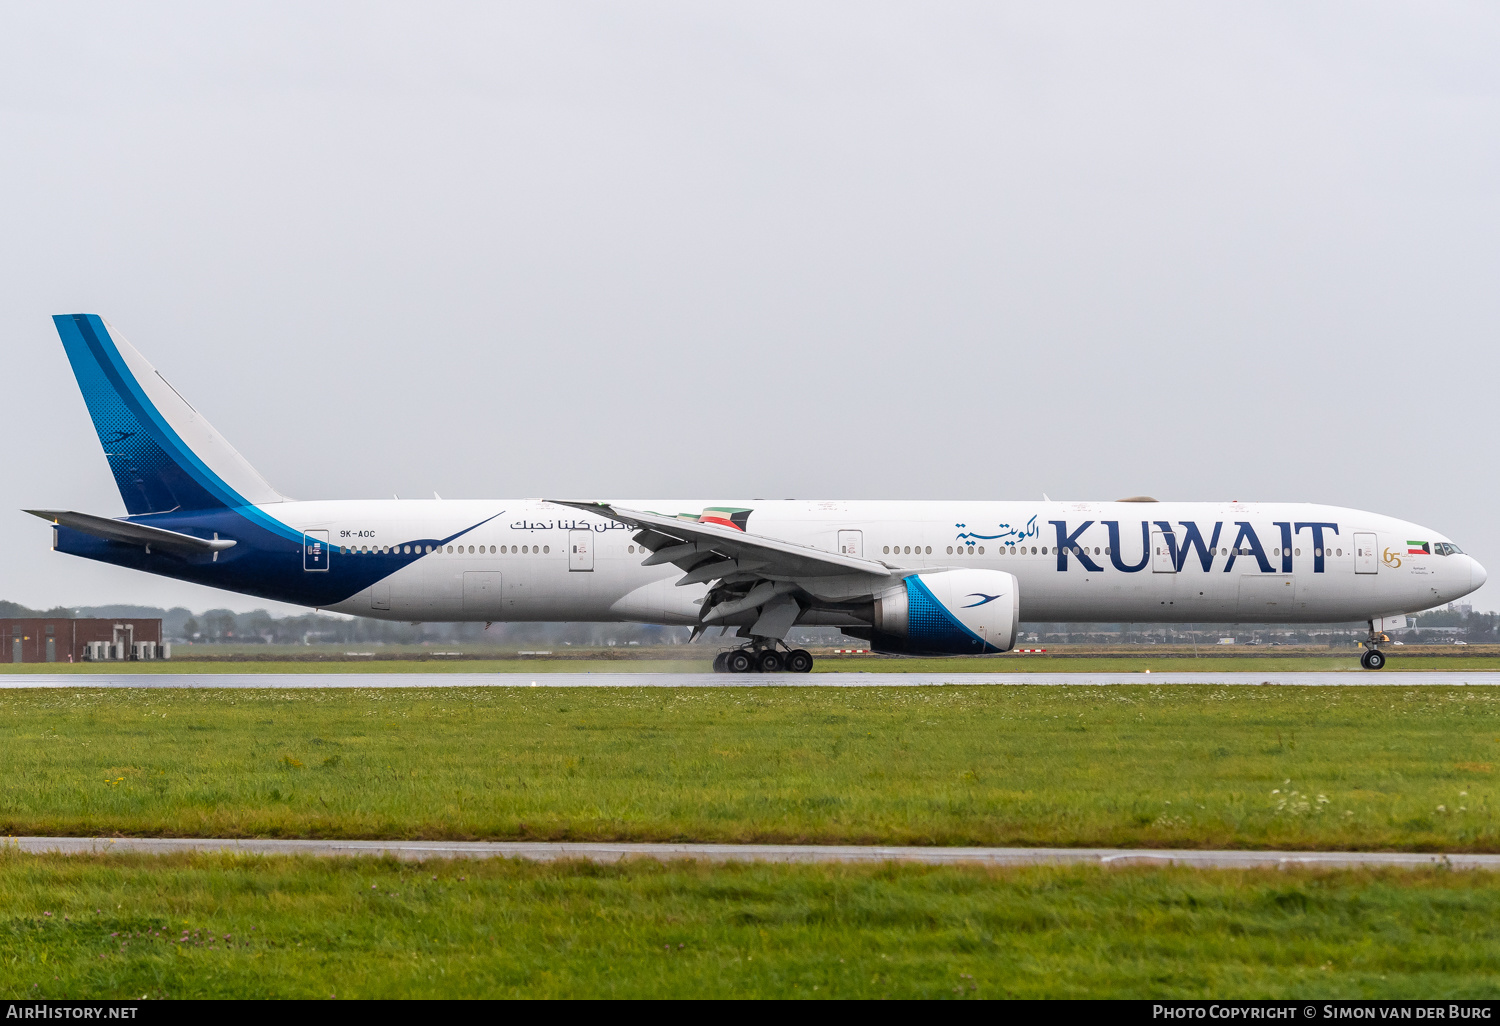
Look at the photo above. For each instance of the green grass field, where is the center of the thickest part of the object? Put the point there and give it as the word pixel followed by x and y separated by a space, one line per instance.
pixel 1114 663
pixel 218 926
pixel 1197 766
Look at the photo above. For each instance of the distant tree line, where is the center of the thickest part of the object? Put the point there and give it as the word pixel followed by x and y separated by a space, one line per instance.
pixel 224 626
pixel 1437 626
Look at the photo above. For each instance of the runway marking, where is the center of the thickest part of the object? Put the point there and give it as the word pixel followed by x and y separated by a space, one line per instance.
pixel 539 851
pixel 1318 678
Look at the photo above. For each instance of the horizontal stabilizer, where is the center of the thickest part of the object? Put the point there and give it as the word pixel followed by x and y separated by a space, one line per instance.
pixel 131 534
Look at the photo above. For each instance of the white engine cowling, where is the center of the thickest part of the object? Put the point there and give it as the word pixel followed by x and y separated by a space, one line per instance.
pixel 955 612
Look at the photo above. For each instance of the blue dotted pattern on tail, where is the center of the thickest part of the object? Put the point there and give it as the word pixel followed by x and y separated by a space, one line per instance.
pixel 150 480
pixel 930 627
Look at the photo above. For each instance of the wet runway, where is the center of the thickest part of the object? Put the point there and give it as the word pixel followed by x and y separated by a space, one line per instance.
pixel 607 852
pixel 1340 678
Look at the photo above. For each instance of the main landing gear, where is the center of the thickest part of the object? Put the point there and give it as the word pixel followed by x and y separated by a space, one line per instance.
pixel 764 659
pixel 1372 658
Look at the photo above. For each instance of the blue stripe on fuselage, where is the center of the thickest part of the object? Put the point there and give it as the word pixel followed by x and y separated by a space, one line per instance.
pixel 262 563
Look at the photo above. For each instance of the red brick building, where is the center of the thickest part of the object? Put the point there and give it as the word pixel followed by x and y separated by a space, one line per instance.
pixel 56 640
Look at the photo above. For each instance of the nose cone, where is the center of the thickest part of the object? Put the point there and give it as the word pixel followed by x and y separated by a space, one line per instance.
pixel 1477 576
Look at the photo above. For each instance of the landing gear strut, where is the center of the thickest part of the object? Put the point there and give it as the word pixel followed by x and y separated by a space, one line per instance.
pixel 1372 658
pixel 763 656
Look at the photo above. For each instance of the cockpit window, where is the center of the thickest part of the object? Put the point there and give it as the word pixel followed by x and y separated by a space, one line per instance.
pixel 1446 549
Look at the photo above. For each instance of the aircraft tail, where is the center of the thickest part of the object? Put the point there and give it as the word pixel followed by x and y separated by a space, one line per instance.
pixel 164 455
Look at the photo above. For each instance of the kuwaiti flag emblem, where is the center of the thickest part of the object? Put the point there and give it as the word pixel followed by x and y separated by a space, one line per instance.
pixel 725 516
pixel 1417 548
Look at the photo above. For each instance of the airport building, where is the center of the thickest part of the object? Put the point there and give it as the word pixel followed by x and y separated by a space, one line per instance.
pixel 62 640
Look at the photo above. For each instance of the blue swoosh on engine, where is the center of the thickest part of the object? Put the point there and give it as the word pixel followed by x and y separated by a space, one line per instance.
pixel 981 596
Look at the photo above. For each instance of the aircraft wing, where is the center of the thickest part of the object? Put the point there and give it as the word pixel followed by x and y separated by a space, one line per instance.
pixel 698 548
pixel 131 534
pixel 762 584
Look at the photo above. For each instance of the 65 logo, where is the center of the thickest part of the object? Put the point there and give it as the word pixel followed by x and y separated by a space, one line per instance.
pixel 1392 560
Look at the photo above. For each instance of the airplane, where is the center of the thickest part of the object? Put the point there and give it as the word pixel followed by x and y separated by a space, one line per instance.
pixel 915 577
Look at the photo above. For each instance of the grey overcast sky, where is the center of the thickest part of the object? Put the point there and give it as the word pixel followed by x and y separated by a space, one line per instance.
pixel 935 250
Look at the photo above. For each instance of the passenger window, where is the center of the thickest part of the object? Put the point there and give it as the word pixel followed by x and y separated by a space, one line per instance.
pixel 885 550
pixel 981 550
pixel 950 550
pixel 1044 550
pixel 929 550
pixel 546 549
pixel 1296 552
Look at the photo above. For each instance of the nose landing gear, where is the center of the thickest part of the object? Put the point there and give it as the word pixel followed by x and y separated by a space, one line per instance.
pixel 764 659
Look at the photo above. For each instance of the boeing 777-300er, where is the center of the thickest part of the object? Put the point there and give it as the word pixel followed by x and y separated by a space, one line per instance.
pixel 910 577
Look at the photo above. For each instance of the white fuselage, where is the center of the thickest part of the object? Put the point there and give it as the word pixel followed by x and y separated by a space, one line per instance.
pixel 1244 562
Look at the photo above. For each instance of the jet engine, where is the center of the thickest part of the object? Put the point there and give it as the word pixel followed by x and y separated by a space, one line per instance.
pixel 955 612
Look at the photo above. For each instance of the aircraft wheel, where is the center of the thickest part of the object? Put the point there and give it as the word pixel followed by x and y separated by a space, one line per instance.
pixel 799 660
pixel 769 661
pixel 1374 659
pixel 737 661
pixel 719 662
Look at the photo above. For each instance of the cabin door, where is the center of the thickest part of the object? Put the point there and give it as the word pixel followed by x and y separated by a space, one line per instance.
pixel 1161 554
pixel 315 550
pixel 852 543
pixel 1365 559
pixel 581 550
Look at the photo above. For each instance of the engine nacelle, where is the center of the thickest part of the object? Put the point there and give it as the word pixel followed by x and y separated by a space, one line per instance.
pixel 956 612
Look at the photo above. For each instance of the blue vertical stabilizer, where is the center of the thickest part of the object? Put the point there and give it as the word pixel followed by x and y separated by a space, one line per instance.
pixel 163 454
